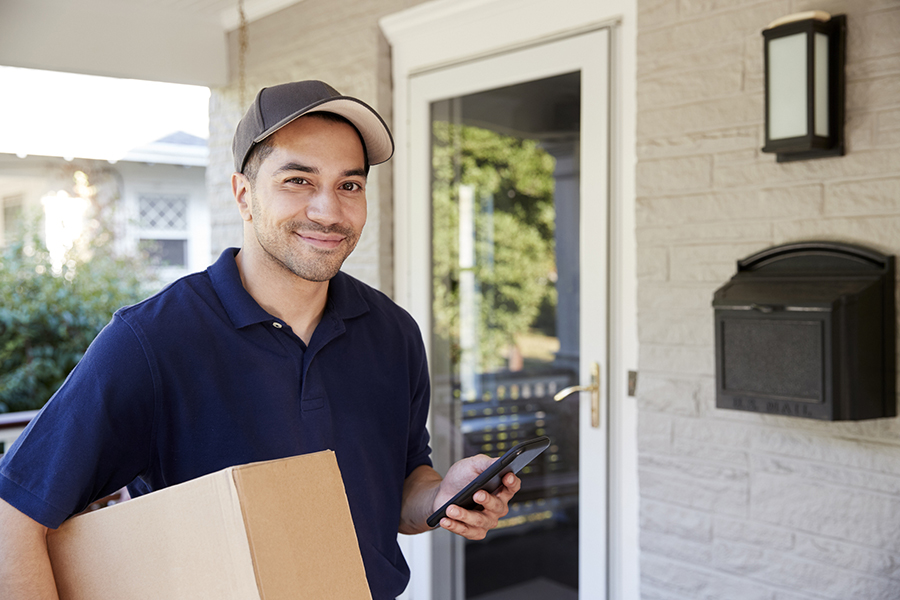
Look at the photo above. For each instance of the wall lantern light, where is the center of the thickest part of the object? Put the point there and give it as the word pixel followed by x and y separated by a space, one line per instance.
pixel 804 70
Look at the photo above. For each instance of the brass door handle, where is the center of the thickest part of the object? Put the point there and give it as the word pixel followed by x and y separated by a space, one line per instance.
pixel 594 389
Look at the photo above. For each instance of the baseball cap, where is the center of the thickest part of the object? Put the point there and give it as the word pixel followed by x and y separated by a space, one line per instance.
pixel 276 106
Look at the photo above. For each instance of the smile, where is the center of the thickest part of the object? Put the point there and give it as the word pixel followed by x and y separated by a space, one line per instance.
pixel 322 241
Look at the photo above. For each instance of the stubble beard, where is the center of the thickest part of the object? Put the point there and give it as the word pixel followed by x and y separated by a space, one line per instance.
pixel 312 264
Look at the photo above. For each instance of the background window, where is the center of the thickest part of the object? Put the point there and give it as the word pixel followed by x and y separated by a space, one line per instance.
pixel 165 253
pixel 163 222
pixel 163 211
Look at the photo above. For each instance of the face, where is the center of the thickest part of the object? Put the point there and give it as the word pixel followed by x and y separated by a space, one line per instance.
pixel 307 208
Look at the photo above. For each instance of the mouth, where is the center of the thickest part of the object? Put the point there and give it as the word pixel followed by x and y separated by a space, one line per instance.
pixel 322 241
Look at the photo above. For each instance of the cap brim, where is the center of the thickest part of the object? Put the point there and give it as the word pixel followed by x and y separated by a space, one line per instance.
pixel 374 131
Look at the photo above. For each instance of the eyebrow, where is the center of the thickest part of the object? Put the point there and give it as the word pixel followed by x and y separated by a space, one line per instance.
pixel 292 166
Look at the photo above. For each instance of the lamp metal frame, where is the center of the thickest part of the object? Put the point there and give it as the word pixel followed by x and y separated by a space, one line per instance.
pixel 811 145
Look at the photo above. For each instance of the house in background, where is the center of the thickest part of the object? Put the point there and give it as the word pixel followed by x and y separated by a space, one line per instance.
pixel 156 195
pixel 678 500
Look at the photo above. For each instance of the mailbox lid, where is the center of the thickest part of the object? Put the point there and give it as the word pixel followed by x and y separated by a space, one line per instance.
pixel 768 294
pixel 831 258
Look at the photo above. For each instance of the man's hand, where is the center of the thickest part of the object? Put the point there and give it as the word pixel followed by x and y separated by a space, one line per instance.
pixel 425 492
pixel 474 524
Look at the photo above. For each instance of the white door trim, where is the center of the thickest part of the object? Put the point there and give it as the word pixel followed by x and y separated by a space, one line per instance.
pixel 445 32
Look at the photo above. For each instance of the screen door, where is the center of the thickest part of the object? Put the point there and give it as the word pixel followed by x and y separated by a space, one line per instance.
pixel 514 167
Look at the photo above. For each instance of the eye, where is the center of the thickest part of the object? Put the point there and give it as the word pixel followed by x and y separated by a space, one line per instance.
pixel 351 186
pixel 297 180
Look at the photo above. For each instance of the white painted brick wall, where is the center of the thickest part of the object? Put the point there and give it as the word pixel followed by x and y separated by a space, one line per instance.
pixel 337 41
pixel 740 506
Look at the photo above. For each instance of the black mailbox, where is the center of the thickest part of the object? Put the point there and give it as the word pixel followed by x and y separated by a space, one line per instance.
pixel 808 330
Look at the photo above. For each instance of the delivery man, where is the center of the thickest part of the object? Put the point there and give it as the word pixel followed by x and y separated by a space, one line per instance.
pixel 270 352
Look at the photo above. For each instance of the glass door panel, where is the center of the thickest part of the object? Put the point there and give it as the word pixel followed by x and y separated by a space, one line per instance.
pixel 505 318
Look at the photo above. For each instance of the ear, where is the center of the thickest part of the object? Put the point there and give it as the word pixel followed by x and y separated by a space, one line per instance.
pixel 240 187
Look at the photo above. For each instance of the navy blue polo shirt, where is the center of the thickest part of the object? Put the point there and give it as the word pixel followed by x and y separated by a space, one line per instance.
pixel 199 377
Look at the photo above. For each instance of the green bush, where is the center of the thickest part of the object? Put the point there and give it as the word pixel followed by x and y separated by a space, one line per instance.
pixel 47 320
pixel 49 316
pixel 515 220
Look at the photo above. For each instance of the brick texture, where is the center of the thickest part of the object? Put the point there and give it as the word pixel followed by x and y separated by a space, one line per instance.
pixel 738 505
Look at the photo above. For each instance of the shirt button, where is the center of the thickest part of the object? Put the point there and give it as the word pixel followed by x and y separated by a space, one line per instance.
pixel 276 325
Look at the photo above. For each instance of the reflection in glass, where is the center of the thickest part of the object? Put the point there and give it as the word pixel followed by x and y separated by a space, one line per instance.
pixel 505 315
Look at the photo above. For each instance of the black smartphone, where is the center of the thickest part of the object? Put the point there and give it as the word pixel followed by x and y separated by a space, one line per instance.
pixel 513 461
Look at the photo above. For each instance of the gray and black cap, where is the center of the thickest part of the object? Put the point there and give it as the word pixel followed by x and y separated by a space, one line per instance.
pixel 276 106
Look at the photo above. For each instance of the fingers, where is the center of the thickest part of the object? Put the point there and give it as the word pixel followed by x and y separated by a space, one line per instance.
pixel 498 502
pixel 511 485
pixel 474 524
pixel 471 524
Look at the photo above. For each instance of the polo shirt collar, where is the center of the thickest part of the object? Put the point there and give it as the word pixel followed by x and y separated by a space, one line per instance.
pixel 344 299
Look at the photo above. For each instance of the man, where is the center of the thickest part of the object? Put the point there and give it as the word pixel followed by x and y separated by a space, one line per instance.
pixel 270 352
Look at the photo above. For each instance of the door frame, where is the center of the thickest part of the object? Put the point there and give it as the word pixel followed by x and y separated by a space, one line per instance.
pixel 588 54
pixel 447 32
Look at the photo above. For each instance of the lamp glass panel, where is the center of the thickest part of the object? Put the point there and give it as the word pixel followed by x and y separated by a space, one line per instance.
pixel 820 62
pixel 787 87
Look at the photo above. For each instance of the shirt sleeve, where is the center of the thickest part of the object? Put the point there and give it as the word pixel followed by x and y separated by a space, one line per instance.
pixel 92 438
pixel 418 449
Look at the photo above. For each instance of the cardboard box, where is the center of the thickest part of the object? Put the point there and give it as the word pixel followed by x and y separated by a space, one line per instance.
pixel 266 531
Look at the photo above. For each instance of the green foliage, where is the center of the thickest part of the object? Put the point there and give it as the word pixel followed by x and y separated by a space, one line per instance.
pixel 48 319
pixel 514 215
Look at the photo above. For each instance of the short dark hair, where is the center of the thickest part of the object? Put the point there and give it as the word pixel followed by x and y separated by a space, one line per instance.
pixel 264 147
pixel 258 154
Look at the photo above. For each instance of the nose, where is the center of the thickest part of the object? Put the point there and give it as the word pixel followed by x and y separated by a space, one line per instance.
pixel 324 208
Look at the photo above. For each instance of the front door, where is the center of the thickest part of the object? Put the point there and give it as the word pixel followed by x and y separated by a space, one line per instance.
pixel 514 167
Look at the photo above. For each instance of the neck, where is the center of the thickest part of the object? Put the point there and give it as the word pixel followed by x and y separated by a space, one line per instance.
pixel 298 302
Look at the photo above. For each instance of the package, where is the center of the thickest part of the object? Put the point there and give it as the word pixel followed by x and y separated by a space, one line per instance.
pixel 269 531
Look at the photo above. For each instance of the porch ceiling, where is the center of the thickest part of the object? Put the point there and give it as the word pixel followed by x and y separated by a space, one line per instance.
pixel 179 41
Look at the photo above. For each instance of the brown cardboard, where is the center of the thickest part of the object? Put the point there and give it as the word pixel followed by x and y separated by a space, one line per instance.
pixel 265 531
